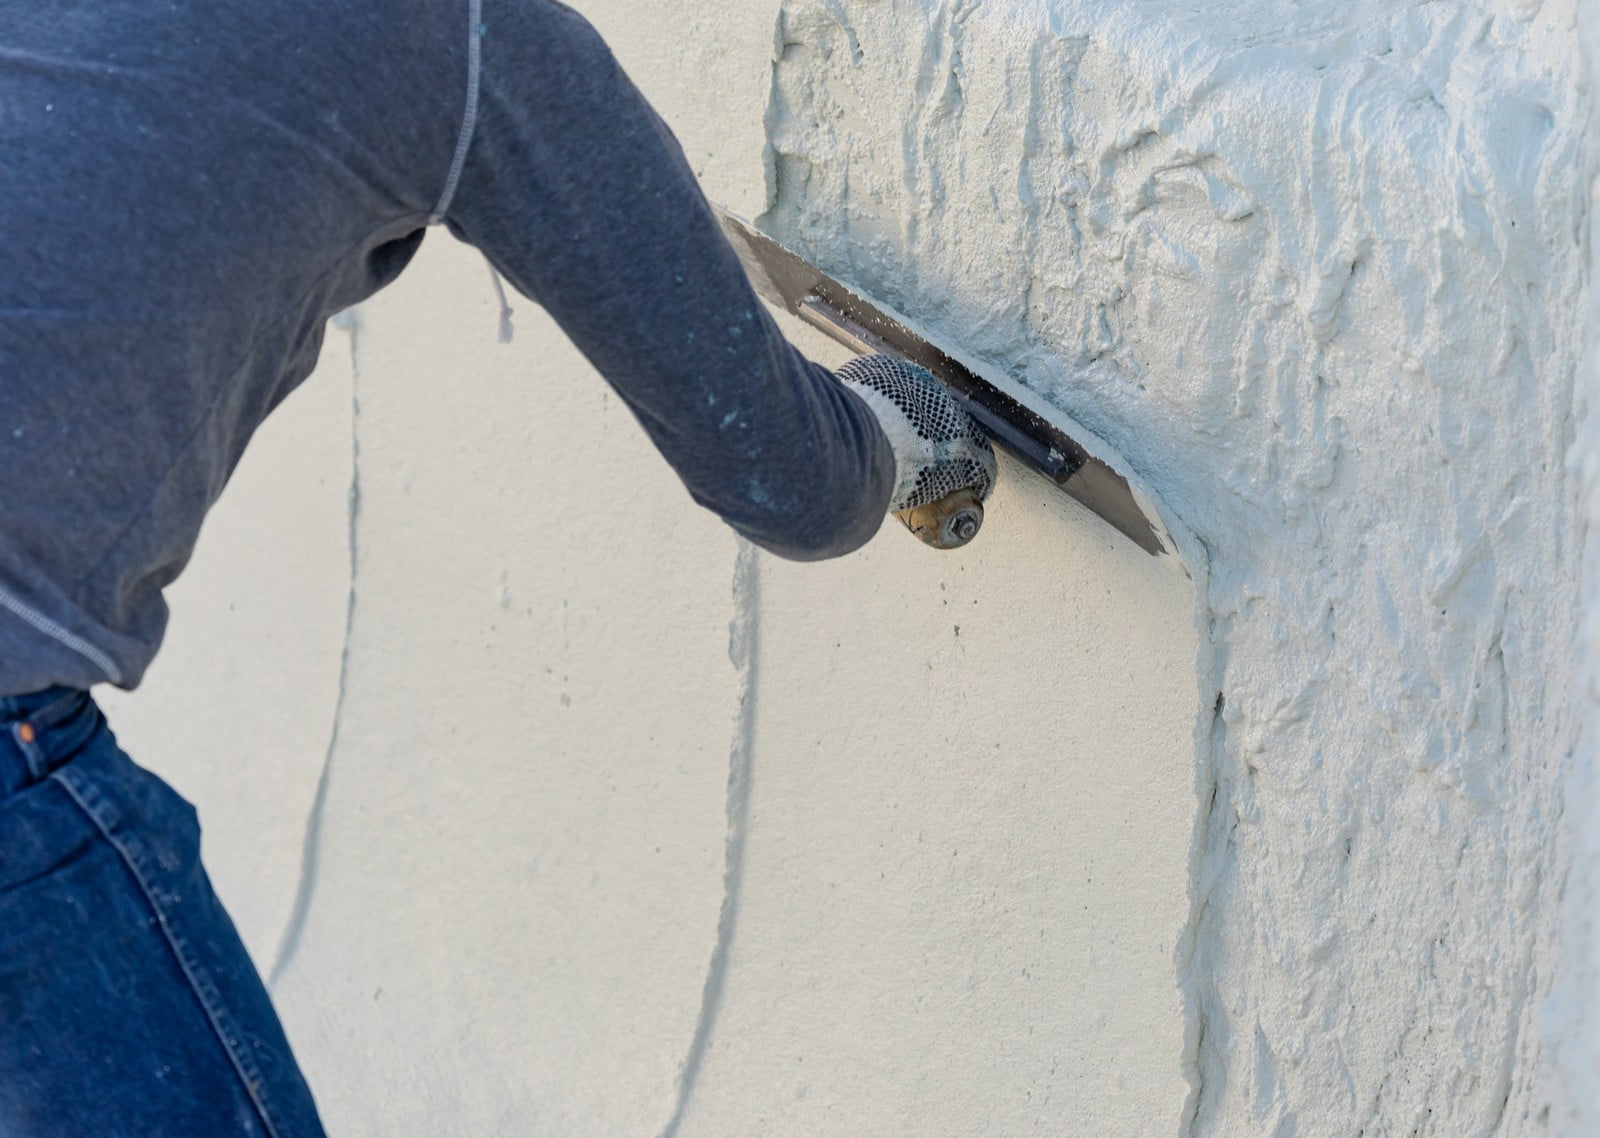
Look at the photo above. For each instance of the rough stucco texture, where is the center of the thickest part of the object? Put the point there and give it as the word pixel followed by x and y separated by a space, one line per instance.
pixel 552 810
pixel 1573 1007
pixel 1316 270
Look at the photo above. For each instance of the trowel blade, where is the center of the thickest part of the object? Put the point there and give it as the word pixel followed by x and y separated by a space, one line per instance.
pixel 790 282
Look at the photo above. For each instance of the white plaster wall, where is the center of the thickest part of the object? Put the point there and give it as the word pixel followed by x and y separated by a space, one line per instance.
pixel 551 810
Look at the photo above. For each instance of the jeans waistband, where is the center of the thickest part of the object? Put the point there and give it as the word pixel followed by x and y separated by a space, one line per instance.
pixel 40 731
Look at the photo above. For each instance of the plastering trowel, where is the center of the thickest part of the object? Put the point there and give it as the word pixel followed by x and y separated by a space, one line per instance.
pixel 787 280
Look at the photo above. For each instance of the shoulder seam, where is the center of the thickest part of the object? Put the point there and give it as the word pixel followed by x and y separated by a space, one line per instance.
pixel 469 116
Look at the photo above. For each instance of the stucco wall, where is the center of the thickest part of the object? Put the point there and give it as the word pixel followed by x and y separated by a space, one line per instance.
pixel 626 831
pixel 1318 270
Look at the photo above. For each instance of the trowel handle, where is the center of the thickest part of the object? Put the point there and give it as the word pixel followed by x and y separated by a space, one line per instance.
pixel 949 523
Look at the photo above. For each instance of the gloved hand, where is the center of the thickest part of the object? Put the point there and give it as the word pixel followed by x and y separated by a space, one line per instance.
pixel 944 464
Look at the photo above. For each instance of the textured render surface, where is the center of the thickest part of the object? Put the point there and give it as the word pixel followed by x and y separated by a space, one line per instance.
pixel 1316 270
pixel 616 828
pixel 1573 1008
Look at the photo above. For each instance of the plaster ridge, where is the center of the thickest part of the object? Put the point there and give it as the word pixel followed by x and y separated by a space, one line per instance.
pixel 311 848
pixel 744 641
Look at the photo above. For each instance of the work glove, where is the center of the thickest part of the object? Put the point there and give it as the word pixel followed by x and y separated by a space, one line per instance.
pixel 944 465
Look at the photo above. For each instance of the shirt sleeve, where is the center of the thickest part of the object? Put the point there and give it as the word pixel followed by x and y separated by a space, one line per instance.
pixel 580 196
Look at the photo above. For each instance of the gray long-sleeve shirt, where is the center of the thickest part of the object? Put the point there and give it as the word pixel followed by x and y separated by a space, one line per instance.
pixel 190 188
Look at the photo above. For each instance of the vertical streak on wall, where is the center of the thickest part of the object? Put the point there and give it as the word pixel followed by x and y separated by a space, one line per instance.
pixel 744 646
pixel 1203 1062
pixel 294 929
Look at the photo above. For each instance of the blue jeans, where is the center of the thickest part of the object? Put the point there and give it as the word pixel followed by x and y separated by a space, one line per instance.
pixel 128 1006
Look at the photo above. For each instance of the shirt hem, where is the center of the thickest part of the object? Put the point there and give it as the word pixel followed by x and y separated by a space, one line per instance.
pixel 61 635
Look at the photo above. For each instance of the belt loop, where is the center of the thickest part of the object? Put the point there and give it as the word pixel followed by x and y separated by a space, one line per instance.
pixel 28 741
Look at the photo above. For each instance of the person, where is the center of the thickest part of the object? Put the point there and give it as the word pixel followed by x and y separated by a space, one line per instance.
pixel 188 191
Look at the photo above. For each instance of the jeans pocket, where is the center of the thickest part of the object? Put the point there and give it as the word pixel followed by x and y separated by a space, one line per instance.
pixel 125 993
pixel 55 856
pixel 96 810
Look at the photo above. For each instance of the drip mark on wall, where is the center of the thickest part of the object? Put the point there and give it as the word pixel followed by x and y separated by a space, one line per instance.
pixel 1201 1058
pixel 310 851
pixel 505 330
pixel 744 651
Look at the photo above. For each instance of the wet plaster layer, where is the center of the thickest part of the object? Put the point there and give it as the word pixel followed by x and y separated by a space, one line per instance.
pixel 1316 270
pixel 1573 1008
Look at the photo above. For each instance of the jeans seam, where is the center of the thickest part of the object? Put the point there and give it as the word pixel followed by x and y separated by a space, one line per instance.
pixel 222 1026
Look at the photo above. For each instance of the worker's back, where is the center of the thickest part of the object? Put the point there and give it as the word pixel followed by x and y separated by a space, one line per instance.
pixel 188 189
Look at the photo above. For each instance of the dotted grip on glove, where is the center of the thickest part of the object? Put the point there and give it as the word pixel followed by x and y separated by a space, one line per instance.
pixel 943 462
pixel 939 449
